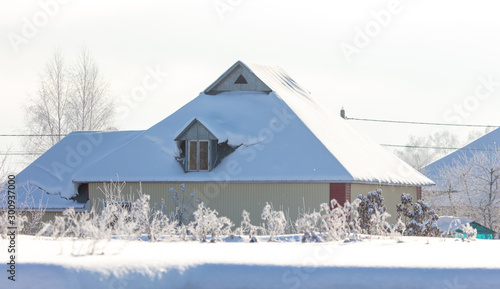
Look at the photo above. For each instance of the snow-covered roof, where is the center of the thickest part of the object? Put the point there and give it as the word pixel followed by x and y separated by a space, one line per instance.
pixel 486 144
pixel 283 135
pixel 450 224
pixel 50 176
pixel 280 132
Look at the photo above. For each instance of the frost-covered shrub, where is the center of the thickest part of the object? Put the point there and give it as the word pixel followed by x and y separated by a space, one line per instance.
pixel 55 228
pixel 161 226
pixel 275 220
pixel 184 205
pixel 18 220
pixel 308 226
pixel 340 222
pixel 207 223
pixel 469 231
pixel 246 227
pixel 120 217
pixel 27 213
pixel 373 214
pixel 419 218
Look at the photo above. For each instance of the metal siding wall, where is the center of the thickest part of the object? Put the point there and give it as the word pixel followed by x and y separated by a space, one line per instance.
pixel 47 217
pixel 391 194
pixel 230 199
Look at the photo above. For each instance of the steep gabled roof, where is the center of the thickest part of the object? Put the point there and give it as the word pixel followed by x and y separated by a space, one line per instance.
pixel 279 132
pixel 487 144
pixel 282 135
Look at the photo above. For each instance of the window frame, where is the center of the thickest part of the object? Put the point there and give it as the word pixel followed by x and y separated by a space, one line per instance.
pixel 188 154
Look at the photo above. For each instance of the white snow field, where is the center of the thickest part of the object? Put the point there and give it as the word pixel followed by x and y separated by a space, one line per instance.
pixel 405 262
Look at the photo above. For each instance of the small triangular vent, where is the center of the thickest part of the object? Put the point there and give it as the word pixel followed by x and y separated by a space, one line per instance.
pixel 241 80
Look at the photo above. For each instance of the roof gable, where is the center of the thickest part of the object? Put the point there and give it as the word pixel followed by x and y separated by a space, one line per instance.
pixel 238 77
pixel 195 130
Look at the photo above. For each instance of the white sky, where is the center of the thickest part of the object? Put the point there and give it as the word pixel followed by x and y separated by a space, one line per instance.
pixel 423 62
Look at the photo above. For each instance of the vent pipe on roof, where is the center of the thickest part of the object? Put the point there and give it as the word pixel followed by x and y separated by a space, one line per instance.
pixel 342 113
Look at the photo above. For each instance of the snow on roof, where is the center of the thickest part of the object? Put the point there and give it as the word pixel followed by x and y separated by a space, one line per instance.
pixel 280 136
pixel 450 224
pixel 284 135
pixel 485 144
pixel 31 197
pixel 52 173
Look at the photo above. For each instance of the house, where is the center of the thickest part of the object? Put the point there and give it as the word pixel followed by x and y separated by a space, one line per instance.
pixel 251 137
pixel 467 181
pixel 455 226
pixel 487 145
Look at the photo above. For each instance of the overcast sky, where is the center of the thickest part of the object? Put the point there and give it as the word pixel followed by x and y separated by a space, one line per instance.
pixel 431 61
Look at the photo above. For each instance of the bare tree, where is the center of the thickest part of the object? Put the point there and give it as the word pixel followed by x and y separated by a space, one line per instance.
pixel 46 114
pixel 485 183
pixel 4 169
pixel 67 99
pixel 89 105
pixel 469 187
pixel 421 151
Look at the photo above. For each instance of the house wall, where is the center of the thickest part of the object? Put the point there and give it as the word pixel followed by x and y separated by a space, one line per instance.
pixel 230 199
pixel 391 194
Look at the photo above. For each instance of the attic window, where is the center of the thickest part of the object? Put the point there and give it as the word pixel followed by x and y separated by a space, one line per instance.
pixel 197 148
pixel 198 155
pixel 240 80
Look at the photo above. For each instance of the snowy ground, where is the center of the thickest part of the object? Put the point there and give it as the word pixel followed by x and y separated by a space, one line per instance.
pixel 414 262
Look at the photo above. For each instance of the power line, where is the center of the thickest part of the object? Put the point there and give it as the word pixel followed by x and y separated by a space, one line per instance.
pixel 419 123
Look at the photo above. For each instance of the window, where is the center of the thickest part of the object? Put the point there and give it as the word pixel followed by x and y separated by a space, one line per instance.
pixel 240 80
pixel 198 155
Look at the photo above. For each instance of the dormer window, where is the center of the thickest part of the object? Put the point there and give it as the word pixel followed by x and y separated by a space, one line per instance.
pixel 198 148
pixel 198 157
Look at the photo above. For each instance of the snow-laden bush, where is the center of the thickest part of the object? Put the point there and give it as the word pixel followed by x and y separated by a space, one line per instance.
pixel 27 214
pixel 419 218
pixel 275 220
pixel 340 222
pixel 18 220
pixel 468 231
pixel 207 223
pixel 120 217
pixel 184 205
pixel 373 214
pixel 308 225
pixel 246 227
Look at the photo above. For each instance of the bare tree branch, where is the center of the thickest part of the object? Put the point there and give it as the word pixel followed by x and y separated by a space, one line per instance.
pixel 67 99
